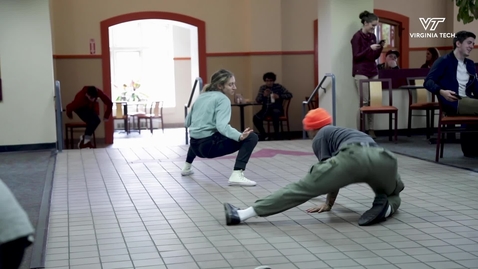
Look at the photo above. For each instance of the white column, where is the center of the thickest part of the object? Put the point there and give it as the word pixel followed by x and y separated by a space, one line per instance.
pixel 338 20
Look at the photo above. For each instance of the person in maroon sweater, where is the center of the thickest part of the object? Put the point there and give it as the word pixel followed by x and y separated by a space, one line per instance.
pixel 366 50
pixel 86 107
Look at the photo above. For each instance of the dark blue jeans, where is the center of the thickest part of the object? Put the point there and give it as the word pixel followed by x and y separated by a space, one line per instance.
pixel 89 116
pixel 218 145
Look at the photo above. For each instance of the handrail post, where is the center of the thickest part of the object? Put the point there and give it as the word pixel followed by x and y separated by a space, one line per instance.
pixel 197 82
pixel 59 117
pixel 316 91
pixel 334 95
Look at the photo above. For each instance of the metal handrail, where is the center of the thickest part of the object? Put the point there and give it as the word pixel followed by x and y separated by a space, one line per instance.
pixel 59 117
pixel 306 103
pixel 197 82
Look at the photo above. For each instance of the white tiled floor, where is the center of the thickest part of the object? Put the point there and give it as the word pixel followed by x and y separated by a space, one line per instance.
pixel 130 208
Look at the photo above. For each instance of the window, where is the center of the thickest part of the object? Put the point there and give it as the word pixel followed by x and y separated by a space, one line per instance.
pixel 142 52
pixel 388 30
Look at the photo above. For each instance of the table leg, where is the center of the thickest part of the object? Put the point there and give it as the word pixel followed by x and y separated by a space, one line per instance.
pixel 242 118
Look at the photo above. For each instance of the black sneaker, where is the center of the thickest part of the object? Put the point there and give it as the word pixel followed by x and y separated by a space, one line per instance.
pixel 232 217
pixel 377 213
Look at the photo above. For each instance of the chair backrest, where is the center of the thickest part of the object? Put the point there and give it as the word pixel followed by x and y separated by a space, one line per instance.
pixel 157 108
pixel 119 110
pixel 285 106
pixel 313 104
pixel 375 87
pixel 422 94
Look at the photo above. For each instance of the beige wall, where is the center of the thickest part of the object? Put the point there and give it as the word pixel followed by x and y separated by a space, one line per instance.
pixel 28 109
pixel 182 74
pixel 248 37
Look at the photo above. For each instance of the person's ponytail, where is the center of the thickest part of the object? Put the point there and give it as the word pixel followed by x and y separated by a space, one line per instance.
pixel 206 88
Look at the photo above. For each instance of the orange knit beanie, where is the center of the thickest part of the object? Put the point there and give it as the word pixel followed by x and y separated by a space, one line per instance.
pixel 316 119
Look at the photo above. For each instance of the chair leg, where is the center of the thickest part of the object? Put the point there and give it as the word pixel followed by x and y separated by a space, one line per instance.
pixel 396 126
pixel 409 122
pixel 139 125
pixel 432 121
pixel 428 123
pixel 94 139
pixel 390 126
pixel 162 124
pixel 151 125
pixel 362 123
pixel 442 146
pixel 67 139
pixel 288 128
pixel 71 139
pixel 437 152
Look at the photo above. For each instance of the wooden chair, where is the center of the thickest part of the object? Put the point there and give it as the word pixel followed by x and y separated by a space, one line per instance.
pixel 422 103
pixel 444 126
pixel 375 106
pixel 155 112
pixel 121 115
pixel 69 130
pixel 282 119
pixel 313 104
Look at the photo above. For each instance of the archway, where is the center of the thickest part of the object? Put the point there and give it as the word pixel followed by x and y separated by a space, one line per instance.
pixel 105 49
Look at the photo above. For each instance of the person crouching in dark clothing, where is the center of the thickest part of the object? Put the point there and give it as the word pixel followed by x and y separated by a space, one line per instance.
pixel 271 95
pixel 86 107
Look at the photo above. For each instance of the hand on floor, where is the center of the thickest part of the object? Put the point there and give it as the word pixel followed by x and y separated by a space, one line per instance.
pixel 319 209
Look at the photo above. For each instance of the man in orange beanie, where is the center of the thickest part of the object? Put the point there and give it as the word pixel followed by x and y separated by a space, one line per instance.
pixel 346 156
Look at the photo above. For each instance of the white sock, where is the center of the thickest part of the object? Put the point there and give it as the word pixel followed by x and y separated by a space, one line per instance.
pixel 187 166
pixel 86 139
pixel 246 213
pixel 389 211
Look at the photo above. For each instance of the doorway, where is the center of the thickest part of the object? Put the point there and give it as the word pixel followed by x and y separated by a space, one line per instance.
pixel 106 53
pixel 389 30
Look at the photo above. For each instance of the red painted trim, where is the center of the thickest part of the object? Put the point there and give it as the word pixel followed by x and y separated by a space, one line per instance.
pixel 258 53
pixel 404 38
pixel 182 58
pixel 105 48
pixel 316 52
pixel 85 56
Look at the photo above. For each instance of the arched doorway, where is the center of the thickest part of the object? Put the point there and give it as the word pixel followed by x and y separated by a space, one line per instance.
pixel 105 49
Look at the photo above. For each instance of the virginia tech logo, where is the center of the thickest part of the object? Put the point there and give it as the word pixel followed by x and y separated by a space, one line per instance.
pixel 430 24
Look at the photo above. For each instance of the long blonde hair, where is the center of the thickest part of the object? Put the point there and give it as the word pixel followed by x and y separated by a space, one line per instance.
pixel 221 77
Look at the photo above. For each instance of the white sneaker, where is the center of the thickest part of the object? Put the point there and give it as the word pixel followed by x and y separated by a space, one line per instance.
pixel 187 170
pixel 238 179
pixel 81 142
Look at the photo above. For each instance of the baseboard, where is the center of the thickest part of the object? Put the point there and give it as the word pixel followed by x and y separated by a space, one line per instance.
pixel 37 260
pixel 28 147
pixel 378 133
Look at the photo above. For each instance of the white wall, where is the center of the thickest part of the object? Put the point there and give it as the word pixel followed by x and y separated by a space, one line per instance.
pixel 28 109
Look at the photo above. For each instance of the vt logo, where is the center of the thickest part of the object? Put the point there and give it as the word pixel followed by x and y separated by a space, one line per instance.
pixel 430 24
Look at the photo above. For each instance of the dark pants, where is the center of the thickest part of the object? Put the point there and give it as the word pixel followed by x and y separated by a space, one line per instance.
pixel 469 144
pixel 11 253
pixel 218 145
pixel 89 116
pixel 274 113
